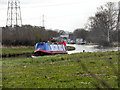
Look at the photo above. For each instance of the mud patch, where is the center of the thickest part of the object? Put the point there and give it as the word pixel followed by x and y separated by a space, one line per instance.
pixel 88 75
pixel 15 55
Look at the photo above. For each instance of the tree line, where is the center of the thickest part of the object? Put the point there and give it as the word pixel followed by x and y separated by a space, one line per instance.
pixel 102 27
pixel 26 35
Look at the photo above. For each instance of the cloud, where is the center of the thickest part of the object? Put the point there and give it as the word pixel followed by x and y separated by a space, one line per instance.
pixel 3 2
pixel 60 14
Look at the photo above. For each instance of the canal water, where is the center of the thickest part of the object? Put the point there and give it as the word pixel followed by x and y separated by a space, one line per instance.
pixel 89 48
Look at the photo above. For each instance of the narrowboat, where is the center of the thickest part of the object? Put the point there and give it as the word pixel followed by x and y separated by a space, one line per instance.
pixel 42 49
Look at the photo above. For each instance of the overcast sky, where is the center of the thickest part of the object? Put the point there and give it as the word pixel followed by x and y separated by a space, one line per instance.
pixel 65 15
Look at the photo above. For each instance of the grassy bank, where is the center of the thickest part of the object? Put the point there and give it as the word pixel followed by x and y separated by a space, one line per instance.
pixel 83 70
pixel 17 50
pixel 25 50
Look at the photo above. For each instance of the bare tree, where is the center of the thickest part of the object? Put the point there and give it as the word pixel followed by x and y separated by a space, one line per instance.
pixel 104 22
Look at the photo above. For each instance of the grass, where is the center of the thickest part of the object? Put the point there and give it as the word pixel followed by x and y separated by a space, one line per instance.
pixel 82 70
pixel 70 48
pixel 17 50
pixel 0 73
pixel 24 50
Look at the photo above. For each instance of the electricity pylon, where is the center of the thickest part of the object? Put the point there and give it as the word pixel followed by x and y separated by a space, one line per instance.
pixel 13 13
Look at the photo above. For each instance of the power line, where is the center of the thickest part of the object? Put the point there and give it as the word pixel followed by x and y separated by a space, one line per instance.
pixel 43 21
pixel 49 5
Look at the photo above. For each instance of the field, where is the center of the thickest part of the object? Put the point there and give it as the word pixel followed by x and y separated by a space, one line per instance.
pixel 82 70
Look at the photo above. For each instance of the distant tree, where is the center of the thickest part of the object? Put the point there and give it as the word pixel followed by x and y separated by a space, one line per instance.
pixel 103 24
pixel 80 33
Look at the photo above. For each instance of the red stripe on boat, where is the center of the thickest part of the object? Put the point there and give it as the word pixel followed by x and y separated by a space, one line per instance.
pixel 49 51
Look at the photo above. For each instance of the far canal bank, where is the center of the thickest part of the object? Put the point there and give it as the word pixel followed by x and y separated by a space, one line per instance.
pixel 90 48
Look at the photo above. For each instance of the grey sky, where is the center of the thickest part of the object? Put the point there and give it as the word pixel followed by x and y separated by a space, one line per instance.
pixel 65 15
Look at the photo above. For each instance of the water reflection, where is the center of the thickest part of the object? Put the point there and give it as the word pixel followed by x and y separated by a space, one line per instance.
pixel 89 48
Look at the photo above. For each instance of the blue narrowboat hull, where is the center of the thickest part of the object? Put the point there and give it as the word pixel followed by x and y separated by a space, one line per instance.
pixel 49 49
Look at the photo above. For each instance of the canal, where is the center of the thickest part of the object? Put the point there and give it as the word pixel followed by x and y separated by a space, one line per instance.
pixel 90 48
